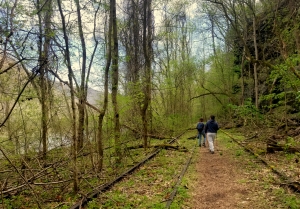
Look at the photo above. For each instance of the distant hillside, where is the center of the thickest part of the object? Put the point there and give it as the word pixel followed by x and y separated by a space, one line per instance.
pixel 93 95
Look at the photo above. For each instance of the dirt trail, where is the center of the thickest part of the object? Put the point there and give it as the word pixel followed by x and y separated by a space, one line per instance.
pixel 232 179
pixel 218 182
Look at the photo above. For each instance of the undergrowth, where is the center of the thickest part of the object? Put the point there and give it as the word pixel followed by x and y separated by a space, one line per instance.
pixel 152 184
pixel 265 186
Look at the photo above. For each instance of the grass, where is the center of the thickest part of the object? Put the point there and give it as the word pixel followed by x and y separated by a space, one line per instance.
pixel 265 185
pixel 161 174
pixel 152 184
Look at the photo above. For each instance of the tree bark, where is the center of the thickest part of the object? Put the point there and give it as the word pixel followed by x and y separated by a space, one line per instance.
pixel 82 89
pixel 44 48
pixel 147 48
pixel 105 100
pixel 73 107
pixel 115 80
pixel 255 64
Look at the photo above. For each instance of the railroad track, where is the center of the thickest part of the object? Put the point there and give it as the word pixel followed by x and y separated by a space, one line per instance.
pixel 37 179
pixel 294 186
pixel 183 171
pixel 102 188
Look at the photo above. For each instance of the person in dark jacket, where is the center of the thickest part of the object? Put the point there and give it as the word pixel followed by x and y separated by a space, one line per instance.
pixel 211 128
pixel 200 128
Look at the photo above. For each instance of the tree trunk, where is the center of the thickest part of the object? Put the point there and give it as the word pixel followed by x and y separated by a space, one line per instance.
pixel 210 16
pixel 73 107
pixel 8 123
pixel 82 89
pixel 44 48
pixel 255 64
pixel 147 47
pixel 115 80
pixel 105 101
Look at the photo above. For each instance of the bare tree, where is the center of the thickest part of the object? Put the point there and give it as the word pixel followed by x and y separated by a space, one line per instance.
pixel 115 79
pixel 105 99
pixel 82 94
pixel 44 17
pixel 147 48
pixel 72 93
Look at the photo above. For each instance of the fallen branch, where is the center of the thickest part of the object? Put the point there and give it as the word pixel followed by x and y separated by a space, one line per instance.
pixel 168 146
pixel 149 135
pixel 53 182
pixel 271 148
pixel 24 179
pixel 294 184
pixel 30 180
pixel 162 146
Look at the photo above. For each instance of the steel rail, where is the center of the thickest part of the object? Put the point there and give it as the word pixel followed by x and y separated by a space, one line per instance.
pixel 183 171
pixel 104 187
pixel 294 186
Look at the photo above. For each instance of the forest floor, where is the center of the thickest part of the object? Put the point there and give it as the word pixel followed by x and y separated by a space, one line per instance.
pixel 217 185
pixel 231 178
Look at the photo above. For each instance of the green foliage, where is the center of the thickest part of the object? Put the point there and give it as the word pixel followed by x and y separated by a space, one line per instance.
pixel 239 152
pixel 289 156
pixel 246 111
pixel 292 202
pixel 290 141
pixel 64 207
pixel 14 202
pixel 221 83
pixel 283 85
pixel 93 204
pixel 182 192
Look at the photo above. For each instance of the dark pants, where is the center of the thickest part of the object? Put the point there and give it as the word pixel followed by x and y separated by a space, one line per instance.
pixel 200 134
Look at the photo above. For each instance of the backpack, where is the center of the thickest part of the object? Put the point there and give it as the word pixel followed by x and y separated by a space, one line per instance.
pixel 200 126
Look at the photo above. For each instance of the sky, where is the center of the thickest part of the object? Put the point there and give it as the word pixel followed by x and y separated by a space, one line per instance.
pixel 88 16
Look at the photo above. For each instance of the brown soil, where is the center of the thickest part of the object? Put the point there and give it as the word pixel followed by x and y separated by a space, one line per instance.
pixel 218 185
pixel 227 180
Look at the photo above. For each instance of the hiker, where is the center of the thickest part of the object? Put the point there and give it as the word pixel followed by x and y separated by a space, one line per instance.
pixel 211 128
pixel 200 128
